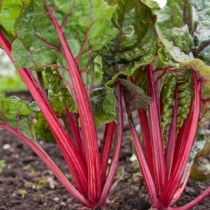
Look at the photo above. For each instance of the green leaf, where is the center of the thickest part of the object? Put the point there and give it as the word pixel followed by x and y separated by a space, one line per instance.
pixel 42 129
pixel 135 45
pixel 9 11
pixel 85 24
pixel 58 94
pixel 185 92
pixel 183 27
pixel 103 103
pixel 171 74
pixel 153 5
pixel 201 30
pixel 16 114
pixel 136 97
pixel 172 28
pixel 167 100
pixel 34 107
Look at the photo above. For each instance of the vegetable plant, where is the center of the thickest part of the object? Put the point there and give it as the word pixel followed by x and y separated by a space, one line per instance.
pixel 35 35
pixel 156 60
pixel 177 78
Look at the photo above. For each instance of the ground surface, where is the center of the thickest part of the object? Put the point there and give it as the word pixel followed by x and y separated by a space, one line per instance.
pixel 27 184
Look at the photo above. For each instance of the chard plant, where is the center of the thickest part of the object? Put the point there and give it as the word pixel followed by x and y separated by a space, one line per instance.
pixel 156 60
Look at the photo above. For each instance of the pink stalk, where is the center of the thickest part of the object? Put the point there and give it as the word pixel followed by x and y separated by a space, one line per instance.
pixel 145 133
pixel 177 173
pixel 180 188
pixel 149 182
pixel 74 131
pixel 159 164
pixel 182 136
pixel 86 115
pixel 107 143
pixel 172 137
pixel 117 149
pixel 71 156
pixel 150 185
pixel 50 164
pixel 195 202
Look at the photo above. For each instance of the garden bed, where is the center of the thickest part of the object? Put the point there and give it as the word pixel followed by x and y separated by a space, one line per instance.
pixel 26 183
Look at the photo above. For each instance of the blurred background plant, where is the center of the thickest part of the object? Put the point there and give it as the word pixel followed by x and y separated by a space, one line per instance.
pixel 9 78
pixel 2 165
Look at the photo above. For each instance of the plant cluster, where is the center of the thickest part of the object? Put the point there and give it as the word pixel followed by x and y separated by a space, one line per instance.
pixel 155 60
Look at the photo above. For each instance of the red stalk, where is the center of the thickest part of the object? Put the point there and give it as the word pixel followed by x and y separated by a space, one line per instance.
pixel 172 137
pixel 180 189
pixel 74 131
pixel 107 143
pixel 117 148
pixel 177 173
pixel 181 137
pixel 50 164
pixel 145 132
pixel 86 116
pixel 150 185
pixel 71 156
pixel 195 202
pixel 159 165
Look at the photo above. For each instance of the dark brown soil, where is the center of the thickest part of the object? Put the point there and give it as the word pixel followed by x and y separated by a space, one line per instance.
pixel 26 183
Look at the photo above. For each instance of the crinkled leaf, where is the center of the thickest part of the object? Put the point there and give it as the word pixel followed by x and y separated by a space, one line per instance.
pixel 183 27
pixel 170 75
pixel 172 28
pixel 58 94
pixel 135 45
pixel 167 100
pixel 136 97
pixel 103 103
pixel 34 107
pixel 201 29
pixel 165 59
pixel 9 11
pixel 153 5
pixel 16 114
pixel 42 129
pixel 85 24
pixel 185 92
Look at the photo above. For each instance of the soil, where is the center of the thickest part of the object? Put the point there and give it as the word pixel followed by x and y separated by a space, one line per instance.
pixel 26 183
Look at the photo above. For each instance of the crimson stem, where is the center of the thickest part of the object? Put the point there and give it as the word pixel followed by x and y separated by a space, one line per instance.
pixel 86 115
pixel 70 154
pixel 159 165
pixel 177 173
pixel 149 182
pixel 50 163
pixel 117 147
pixel 107 143
pixel 172 137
